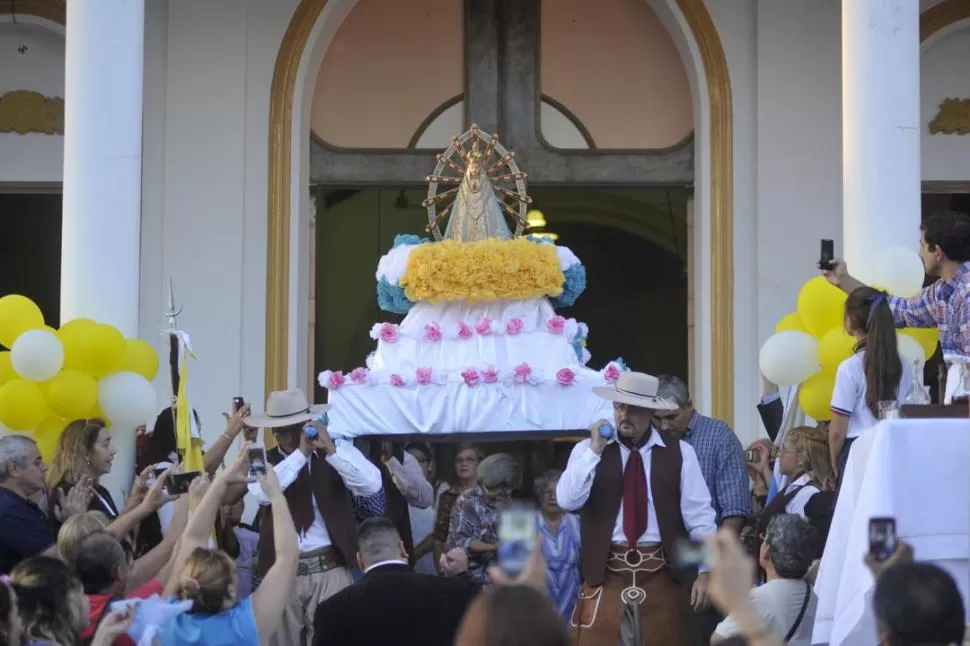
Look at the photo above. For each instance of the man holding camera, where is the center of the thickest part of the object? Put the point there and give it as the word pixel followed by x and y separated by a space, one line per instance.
pixel 328 486
pixel 639 499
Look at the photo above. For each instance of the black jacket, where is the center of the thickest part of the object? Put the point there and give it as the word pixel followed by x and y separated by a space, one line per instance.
pixel 393 606
pixel 772 416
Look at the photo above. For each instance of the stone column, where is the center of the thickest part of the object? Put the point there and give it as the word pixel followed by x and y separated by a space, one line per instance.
pixel 880 129
pixel 101 229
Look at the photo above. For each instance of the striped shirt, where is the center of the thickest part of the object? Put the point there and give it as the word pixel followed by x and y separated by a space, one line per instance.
pixel 722 462
pixel 945 305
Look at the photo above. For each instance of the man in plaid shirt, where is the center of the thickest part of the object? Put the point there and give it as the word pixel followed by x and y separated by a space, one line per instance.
pixel 945 252
pixel 721 458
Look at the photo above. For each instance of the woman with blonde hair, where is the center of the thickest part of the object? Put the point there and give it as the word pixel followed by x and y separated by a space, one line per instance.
pixel 207 577
pixel 804 461
pixel 75 529
pixel 51 601
pixel 84 453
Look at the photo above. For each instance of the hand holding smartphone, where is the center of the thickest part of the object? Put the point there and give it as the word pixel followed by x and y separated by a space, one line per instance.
pixel 178 483
pixel 882 538
pixel 257 461
pixel 827 255
pixel 517 535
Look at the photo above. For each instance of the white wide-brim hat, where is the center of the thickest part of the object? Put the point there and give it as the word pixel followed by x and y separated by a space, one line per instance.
pixel 636 389
pixel 286 408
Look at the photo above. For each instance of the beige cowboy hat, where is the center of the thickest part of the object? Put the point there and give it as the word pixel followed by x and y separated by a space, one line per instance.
pixel 635 389
pixel 285 408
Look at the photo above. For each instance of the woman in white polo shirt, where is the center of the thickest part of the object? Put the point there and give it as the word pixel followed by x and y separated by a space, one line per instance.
pixel 874 373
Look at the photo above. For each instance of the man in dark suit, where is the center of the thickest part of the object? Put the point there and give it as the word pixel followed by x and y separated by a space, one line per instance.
pixel 391 605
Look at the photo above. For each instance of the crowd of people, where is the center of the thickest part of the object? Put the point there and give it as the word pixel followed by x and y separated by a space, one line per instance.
pixel 660 528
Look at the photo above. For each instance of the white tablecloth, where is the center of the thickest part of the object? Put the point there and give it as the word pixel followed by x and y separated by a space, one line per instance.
pixel 917 471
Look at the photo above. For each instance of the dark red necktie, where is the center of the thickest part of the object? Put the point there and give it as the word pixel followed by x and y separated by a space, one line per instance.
pixel 634 499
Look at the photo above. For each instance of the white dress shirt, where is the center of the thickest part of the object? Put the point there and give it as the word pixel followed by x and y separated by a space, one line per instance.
pixel 574 486
pixel 411 481
pixel 360 476
pixel 797 504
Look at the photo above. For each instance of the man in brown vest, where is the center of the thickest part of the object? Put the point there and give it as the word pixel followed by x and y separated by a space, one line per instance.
pixel 637 497
pixel 326 484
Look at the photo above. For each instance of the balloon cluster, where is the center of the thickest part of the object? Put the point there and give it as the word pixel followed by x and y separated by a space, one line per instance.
pixel 810 343
pixel 85 369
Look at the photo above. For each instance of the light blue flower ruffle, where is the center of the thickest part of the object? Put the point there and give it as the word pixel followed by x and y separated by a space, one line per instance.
pixel 391 298
pixel 574 285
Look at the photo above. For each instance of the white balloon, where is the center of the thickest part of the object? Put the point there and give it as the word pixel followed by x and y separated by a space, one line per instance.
pixel 900 271
pixel 37 355
pixel 910 349
pixel 789 358
pixel 127 399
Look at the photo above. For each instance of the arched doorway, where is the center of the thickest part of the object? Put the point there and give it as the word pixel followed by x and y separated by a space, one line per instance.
pixel 312 30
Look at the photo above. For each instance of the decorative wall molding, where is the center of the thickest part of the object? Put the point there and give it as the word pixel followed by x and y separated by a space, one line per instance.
pixel 26 111
pixel 953 118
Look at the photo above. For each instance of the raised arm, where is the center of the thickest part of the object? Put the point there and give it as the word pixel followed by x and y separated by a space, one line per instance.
pixel 273 593
pixel 203 517
pixel 576 481
pixel 410 480
pixel 215 454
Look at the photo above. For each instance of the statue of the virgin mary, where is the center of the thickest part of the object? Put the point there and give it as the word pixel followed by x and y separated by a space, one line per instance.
pixel 476 214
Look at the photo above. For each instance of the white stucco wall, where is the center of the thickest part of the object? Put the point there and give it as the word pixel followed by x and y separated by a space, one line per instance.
pixel 799 151
pixel 208 69
pixel 945 73
pixel 33 157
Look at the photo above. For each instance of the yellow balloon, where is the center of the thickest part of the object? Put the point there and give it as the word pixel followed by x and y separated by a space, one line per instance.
pixel 140 358
pixel 97 413
pixel 815 396
pixel 22 405
pixel 790 323
pixel 834 348
pixel 47 434
pixel 821 306
pixel 93 348
pixel 73 336
pixel 72 394
pixel 928 338
pixel 17 315
pixel 7 373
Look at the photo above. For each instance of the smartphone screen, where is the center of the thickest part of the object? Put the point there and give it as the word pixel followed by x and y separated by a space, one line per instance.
pixel 237 403
pixel 691 555
pixel 827 254
pixel 517 535
pixel 178 483
pixel 882 538
pixel 257 461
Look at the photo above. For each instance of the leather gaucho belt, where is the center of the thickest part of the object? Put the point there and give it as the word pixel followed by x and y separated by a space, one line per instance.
pixel 321 560
pixel 642 558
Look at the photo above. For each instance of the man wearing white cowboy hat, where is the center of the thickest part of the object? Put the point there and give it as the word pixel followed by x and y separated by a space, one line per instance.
pixel 328 486
pixel 629 529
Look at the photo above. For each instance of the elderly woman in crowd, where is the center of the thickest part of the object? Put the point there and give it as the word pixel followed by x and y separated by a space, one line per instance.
pixel 466 465
pixel 559 532
pixel 475 518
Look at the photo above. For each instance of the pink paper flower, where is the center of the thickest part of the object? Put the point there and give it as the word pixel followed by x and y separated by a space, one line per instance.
pixel 565 377
pixel 423 376
pixel 514 326
pixel 556 325
pixel 359 376
pixel 397 381
pixel 471 377
pixel 490 375
pixel 331 380
pixel 432 332
pixel 521 373
pixel 484 326
pixel 388 333
pixel 612 373
pixel 465 331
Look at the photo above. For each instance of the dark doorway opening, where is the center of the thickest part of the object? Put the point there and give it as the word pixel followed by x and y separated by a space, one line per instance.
pixel 30 250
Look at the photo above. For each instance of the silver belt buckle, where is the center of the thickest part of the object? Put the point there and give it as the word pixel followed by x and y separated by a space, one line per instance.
pixel 635 554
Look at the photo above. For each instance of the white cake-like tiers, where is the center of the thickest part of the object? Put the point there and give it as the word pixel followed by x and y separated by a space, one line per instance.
pixel 500 333
pixel 464 368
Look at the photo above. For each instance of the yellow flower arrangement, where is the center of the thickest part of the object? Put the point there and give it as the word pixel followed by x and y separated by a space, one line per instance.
pixel 486 270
